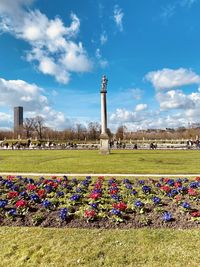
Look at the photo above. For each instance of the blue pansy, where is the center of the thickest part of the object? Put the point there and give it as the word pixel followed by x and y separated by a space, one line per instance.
pixel 139 204
pixel 46 204
pixel 3 203
pixel 186 205
pixel 167 216
pixel 156 200
pixel 63 214
pixel 116 212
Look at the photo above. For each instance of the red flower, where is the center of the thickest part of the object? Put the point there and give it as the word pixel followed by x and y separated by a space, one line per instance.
pixel 192 192
pixel 166 180
pixel 54 177
pixel 120 206
pixel 113 191
pixel 20 203
pixel 12 194
pixel 197 179
pixel 31 187
pixel 10 177
pixel 55 185
pixel 178 198
pixel 101 178
pixel 195 214
pixel 41 193
pixel 177 184
pixel 95 195
pixel 165 188
pixel 98 185
pixel 89 213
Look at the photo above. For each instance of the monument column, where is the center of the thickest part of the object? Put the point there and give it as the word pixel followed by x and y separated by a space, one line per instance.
pixel 104 138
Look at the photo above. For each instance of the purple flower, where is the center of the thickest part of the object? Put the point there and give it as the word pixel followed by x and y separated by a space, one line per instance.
pixel 3 203
pixel 116 212
pixel 126 181
pixel 133 192
pixel 94 205
pixel 60 194
pixel 193 185
pixel 141 182
pixel 116 197
pixel 146 189
pixel 74 181
pixel 173 193
pixel 170 182
pixel 34 198
pixel 156 200
pixel 46 204
pixel 129 186
pixel 12 212
pixel 186 205
pixel 167 216
pixel 63 214
pixel 139 204
pixel 85 183
pixel 75 197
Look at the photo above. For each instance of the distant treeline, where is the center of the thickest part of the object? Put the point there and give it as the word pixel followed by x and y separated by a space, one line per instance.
pixel 35 128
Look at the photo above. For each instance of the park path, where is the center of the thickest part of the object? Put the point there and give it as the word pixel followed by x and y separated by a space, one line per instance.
pixel 98 174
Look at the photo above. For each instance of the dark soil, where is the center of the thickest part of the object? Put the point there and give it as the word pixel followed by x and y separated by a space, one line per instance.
pixel 150 219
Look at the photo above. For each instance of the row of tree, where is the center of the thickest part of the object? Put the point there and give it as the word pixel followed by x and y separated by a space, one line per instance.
pixel 36 128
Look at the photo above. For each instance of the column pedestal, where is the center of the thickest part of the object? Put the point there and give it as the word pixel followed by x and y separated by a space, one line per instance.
pixel 104 144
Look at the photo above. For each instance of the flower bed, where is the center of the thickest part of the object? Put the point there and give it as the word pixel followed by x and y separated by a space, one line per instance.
pixel 100 202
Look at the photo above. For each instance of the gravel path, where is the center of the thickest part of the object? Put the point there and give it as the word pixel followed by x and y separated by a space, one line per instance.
pixel 98 174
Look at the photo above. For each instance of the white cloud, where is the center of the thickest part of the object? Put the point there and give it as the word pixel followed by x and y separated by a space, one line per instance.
pixel 176 99
pixel 21 93
pixel 5 120
pixel 137 93
pixel 14 7
pixel 169 78
pixel 118 17
pixel 122 116
pixel 141 107
pixel 102 61
pixel 188 3
pixel 146 120
pixel 53 48
pixel 168 11
pixel 103 38
pixel 32 98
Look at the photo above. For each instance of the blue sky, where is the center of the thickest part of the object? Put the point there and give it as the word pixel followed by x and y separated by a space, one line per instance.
pixel 54 53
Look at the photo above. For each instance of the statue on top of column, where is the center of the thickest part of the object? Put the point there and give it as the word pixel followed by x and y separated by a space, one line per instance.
pixel 104 82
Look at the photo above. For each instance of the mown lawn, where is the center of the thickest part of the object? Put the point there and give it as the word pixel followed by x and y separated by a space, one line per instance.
pixel 81 247
pixel 126 162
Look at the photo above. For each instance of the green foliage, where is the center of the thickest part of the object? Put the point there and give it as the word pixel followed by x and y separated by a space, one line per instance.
pixel 38 218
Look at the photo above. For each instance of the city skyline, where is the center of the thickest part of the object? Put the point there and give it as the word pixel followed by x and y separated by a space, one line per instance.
pixel 53 56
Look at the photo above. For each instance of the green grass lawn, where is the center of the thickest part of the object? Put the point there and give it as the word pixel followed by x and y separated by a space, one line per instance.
pixel 85 247
pixel 141 161
pixel 80 247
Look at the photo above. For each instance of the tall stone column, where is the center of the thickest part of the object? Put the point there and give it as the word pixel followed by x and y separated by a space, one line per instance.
pixel 104 138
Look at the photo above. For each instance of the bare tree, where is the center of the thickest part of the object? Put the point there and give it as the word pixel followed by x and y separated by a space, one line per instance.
pixel 94 129
pixel 28 126
pixel 120 133
pixel 39 126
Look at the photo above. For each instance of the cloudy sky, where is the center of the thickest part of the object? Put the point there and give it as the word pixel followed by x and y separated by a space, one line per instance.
pixel 53 54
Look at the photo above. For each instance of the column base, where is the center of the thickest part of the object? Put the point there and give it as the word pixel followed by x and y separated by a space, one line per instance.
pixel 104 146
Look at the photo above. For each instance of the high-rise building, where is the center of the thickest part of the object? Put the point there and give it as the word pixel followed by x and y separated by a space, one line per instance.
pixel 18 119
